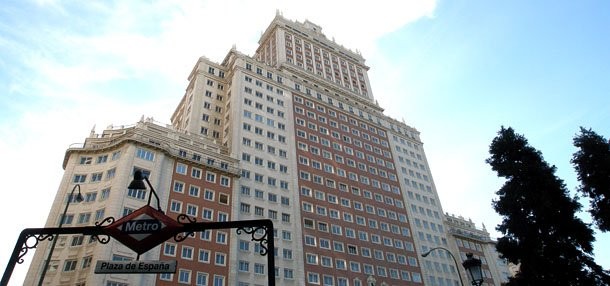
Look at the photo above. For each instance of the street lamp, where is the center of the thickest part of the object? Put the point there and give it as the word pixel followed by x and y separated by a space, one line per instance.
pixel 473 267
pixel 138 184
pixel 79 198
pixel 454 260
pixel 370 281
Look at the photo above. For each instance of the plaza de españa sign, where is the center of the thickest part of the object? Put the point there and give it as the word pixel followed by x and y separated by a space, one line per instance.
pixel 143 229
pixel 107 267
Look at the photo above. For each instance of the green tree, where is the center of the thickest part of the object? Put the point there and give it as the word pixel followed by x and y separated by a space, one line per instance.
pixel 592 164
pixel 541 231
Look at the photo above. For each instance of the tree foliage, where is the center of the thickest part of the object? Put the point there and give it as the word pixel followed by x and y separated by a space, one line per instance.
pixel 592 164
pixel 541 231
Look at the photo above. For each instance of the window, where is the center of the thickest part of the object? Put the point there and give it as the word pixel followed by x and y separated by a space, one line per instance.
pixel 176 206
pixel 203 256
pixel 169 249
pixel 381 271
pixel 223 199
pixel 259 211
pixel 246 157
pixel 99 214
pixel 272 197
pixel 271 165
pixel 208 195
pixel 243 266
pixel 244 245
pixel 193 190
pixel 223 216
pixel 79 178
pixel 225 181
pixel 181 168
pixel 187 252
pixel 272 214
pixel 311 258
pixel 96 177
pixel 271 181
pixel 85 160
pixel 351 249
pixel 179 187
pixel 285 201
pixel 259 268
pixel 313 278
pixel 340 264
pixel 286 235
pixel 338 246
pixel 77 240
pixel 102 159
pixel 191 210
pixel 336 230
pixel 136 194
pixel 259 194
pixel 90 197
pixel 84 217
pixel 288 273
pixel 220 259
pixel 184 276
pixel 210 177
pixel 145 154
pixel 86 263
pixel 285 217
pixel 69 265
pixel 127 211
pixel 207 214
pixel 244 208
pixel 196 173
pixel 201 279
pixel 221 237
pixel 219 280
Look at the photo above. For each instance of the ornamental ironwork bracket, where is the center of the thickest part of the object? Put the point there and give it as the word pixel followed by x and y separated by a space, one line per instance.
pixel 261 231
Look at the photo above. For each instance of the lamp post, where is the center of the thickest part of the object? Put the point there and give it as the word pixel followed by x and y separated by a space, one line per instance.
pixel 473 267
pixel 454 260
pixel 370 281
pixel 138 184
pixel 79 198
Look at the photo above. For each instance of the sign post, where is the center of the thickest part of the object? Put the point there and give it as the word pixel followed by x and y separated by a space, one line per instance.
pixel 142 230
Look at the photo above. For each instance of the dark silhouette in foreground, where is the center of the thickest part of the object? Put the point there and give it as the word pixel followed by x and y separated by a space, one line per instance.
pixel 541 231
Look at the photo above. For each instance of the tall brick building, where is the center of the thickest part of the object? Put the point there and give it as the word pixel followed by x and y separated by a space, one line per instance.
pixel 292 134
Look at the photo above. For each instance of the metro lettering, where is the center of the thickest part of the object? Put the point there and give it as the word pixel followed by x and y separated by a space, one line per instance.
pixel 141 226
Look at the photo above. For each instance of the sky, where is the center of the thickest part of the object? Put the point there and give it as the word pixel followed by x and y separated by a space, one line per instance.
pixel 455 70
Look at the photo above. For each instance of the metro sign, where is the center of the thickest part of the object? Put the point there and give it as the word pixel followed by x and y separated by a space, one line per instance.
pixel 143 229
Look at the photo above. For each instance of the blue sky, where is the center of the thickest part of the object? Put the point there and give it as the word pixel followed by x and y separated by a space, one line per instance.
pixel 542 68
pixel 455 70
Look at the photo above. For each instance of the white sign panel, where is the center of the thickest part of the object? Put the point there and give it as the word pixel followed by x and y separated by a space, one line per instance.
pixel 106 267
pixel 142 227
